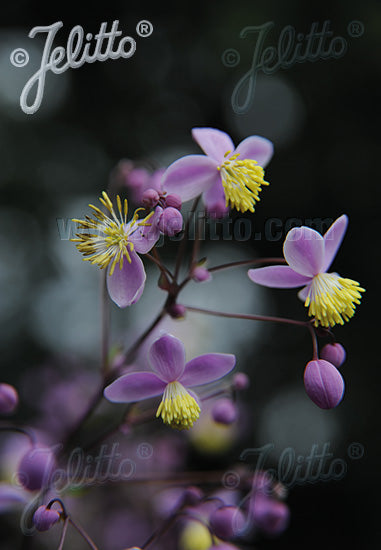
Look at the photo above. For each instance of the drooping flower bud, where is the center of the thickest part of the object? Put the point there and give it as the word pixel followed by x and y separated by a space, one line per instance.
pixel 171 221
pixel 201 274
pixel 324 384
pixel 269 515
pixel 192 496
pixel 333 353
pixel 173 201
pixel 224 411
pixel 150 198
pixel 177 311
pixel 241 381
pixel 218 210
pixel 227 522
pixel 44 518
pixel 8 399
pixel 36 468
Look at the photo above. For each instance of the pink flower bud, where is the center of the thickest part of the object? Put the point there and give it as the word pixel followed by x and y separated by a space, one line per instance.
pixel 192 496
pixel 171 221
pixel 224 411
pixel 269 515
pixel 177 311
pixel 324 384
pixel 201 274
pixel 227 522
pixel 35 468
pixel 218 210
pixel 241 381
pixel 173 200
pixel 9 399
pixel 333 353
pixel 150 198
pixel 44 518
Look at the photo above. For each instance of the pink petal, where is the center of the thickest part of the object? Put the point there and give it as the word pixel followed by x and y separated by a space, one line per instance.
pixel 256 148
pixel 277 276
pixel 303 250
pixel 214 194
pixel 190 176
pixel 207 368
pixel 332 240
pixel 134 386
pixel 302 294
pixel 145 237
pixel 167 357
pixel 125 286
pixel 214 143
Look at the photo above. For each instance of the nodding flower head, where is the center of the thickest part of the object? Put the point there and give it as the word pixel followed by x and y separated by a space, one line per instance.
pixel 179 407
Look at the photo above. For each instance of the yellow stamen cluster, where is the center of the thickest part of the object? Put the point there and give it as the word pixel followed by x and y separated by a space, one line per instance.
pixel 332 299
pixel 242 181
pixel 105 240
pixel 178 408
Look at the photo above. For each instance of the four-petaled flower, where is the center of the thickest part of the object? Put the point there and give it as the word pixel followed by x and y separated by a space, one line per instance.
pixel 331 299
pixel 110 240
pixel 171 377
pixel 228 175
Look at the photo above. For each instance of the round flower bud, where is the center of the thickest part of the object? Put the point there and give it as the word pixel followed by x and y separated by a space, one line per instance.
pixel 218 210
pixel 35 468
pixel 324 384
pixel 192 496
pixel 171 221
pixel 241 381
pixel 177 311
pixel 8 399
pixel 150 198
pixel 173 200
pixel 195 536
pixel 224 411
pixel 333 353
pixel 44 518
pixel 269 515
pixel 201 274
pixel 227 522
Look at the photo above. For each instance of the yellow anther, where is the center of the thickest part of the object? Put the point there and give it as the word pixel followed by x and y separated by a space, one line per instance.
pixel 178 408
pixel 332 299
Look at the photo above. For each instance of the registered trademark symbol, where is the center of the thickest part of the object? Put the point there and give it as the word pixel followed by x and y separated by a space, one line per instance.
pixel 144 451
pixel 144 28
pixel 355 451
pixel 355 29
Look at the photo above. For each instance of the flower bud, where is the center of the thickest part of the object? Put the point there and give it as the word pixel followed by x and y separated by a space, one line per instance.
pixel 201 274
pixel 8 399
pixel 324 384
pixel 269 515
pixel 218 210
pixel 173 201
pixel 192 496
pixel 227 522
pixel 44 518
pixel 177 311
pixel 150 198
pixel 333 353
pixel 224 411
pixel 171 222
pixel 35 468
pixel 241 381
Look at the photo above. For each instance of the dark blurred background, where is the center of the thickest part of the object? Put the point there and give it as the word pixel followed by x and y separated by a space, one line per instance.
pixel 323 120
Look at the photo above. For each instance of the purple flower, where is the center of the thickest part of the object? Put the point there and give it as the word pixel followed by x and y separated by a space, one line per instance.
pixel 109 241
pixel 324 384
pixel 9 399
pixel 225 176
pixel 171 378
pixel 224 411
pixel 331 299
